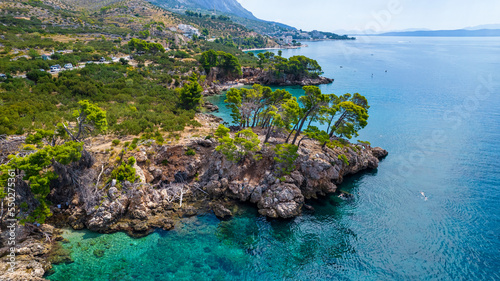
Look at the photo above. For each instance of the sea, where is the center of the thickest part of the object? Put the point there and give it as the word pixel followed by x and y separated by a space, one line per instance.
pixel 431 211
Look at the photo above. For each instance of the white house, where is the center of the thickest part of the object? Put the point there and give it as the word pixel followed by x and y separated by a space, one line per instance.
pixel 188 30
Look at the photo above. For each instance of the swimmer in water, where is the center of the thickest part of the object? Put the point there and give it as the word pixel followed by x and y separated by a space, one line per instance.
pixel 423 194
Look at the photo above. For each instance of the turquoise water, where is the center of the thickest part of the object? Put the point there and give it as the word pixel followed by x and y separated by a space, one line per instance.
pixel 430 212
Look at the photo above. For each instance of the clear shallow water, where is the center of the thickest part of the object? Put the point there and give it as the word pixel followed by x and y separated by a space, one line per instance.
pixel 390 231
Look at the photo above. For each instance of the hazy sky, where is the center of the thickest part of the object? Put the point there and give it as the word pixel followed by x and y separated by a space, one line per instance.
pixel 380 15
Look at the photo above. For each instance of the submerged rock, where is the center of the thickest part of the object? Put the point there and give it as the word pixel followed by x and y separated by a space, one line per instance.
pixel 221 211
pixel 98 253
pixel 210 106
pixel 59 255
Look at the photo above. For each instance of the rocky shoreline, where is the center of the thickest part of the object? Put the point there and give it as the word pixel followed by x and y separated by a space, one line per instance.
pixel 250 76
pixel 258 76
pixel 174 184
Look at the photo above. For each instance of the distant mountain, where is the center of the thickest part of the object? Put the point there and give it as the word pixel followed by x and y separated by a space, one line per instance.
pixel 373 32
pixel 484 26
pixel 225 7
pixel 447 33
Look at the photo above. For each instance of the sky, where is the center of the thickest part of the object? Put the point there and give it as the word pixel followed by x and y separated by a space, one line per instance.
pixel 377 15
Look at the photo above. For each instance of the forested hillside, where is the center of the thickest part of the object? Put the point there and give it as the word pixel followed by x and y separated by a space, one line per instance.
pixel 128 57
pixel 221 6
pixel 229 8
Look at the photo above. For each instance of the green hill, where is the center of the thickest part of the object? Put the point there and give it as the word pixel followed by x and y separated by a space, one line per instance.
pixel 224 6
pixel 230 8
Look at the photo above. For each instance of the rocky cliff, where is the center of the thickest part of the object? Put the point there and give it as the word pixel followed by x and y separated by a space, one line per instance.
pixel 175 184
pixel 258 76
pixel 251 76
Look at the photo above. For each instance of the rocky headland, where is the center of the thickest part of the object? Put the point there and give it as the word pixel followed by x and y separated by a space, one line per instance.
pixel 218 81
pixel 174 184
pixel 258 76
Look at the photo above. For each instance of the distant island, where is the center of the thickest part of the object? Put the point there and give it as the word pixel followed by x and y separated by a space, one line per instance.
pixel 446 33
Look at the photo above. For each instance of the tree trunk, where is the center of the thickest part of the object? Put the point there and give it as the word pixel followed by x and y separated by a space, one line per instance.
pixel 299 129
pixel 330 125
pixel 300 141
pixel 268 133
pixel 302 125
pixel 255 117
pixel 341 119
pixel 267 122
pixel 310 121
pixel 69 133
pixel 81 120
pixel 291 132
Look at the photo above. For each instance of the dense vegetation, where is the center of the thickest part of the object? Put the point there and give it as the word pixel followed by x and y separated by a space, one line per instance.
pixel 144 46
pixel 155 88
pixel 57 112
pixel 245 142
pixel 299 66
pixel 253 42
pixel 279 111
pixel 343 115
pixel 225 61
pixel 37 172
pixel 134 103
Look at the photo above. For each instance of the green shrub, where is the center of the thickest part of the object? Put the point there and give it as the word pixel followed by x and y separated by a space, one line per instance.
pixel 190 152
pixel 39 174
pixel 125 172
pixel 365 142
pixel 115 142
pixel 344 159
pixel 131 161
pixel 23 206
pixel 159 138
pixel 286 154
pixel 244 143
pixel 37 75
pixel 340 143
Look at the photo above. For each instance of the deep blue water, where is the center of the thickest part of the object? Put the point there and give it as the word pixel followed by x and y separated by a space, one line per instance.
pixel 430 212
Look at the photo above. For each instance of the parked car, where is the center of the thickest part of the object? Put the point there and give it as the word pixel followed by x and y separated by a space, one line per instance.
pixel 3 76
pixel 102 59
pixel 68 66
pixel 42 70
pixel 55 68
